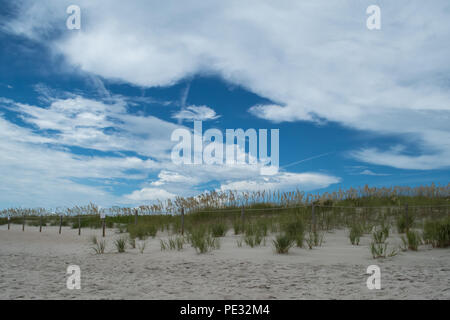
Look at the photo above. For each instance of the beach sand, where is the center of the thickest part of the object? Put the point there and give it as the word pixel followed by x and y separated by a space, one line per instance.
pixel 33 266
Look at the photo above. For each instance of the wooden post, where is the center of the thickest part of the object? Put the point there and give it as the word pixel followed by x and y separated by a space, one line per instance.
pixel 104 226
pixel 79 225
pixel 406 218
pixel 182 221
pixel 9 222
pixel 135 216
pixel 313 215
pixel 40 223
pixel 60 223
pixel 242 214
pixel 23 223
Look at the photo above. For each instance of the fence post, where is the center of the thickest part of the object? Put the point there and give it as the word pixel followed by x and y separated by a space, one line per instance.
pixel 135 216
pixel 313 218
pixel 23 223
pixel 406 218
pixel 182 221
pixel 9 222
pixel 40 223
pixel 104 226
pixel 242 214
pixel 60 223
pixel 79 225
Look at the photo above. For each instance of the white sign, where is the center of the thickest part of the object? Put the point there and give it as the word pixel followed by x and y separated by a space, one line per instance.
pixel 102 214
pixel 9 218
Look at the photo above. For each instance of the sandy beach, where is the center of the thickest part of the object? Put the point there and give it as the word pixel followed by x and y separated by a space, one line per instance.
pixel 33 266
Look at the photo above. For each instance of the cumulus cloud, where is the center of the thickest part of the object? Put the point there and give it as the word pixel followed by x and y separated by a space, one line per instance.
pixel 149 194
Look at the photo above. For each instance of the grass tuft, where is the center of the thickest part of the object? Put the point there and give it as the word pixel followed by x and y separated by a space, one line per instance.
pixel 437 233
pixel 100 246
pixel 121 244
pixel 411 241
pixel 283 243
pixel 356 231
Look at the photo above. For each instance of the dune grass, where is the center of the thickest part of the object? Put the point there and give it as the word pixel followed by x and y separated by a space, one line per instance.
pixel 437 233
pixel 121 244
pixel 356 231
pixel 219 229
pixel 99 246
pixel 141 246
pixel 202 241
pixel 282 243
pixel 209 216
pixel 411 240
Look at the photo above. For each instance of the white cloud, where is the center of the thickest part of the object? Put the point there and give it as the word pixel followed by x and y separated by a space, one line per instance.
pixel 202 113
pixel 149 194
pixel 34 174
pixel 396 159
pixel 315 60
pixel 167 177
pixel 284 181
pixel 77 121
pixel 368 172
pixel 38 168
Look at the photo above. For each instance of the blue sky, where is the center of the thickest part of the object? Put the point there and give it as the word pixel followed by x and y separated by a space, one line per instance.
pixel 86 115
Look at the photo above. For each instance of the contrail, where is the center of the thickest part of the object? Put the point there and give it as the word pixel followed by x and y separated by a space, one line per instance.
pixel 183 99
pixel 184 95
pixel 307 159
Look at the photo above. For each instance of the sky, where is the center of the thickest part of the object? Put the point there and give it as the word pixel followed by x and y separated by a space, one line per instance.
pixel 86 115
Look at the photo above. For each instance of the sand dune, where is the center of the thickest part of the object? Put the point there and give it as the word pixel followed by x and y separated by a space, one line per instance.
pixel 33 266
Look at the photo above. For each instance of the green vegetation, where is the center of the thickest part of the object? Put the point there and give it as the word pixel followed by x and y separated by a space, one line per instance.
pixel 356 232
pixel 314 239
pixel 404 224
pixel 142 231
pixel 437 233
pixel 411 241
pixel 283 243
pixel 120 244
pixel 203 241
pixel 173 243
pixel 132 242
pixel 238 226
pixel 295 230
pixel 100 246
pixel 219 229
pixel 141 246
pixel 379 244
pixel 209 216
